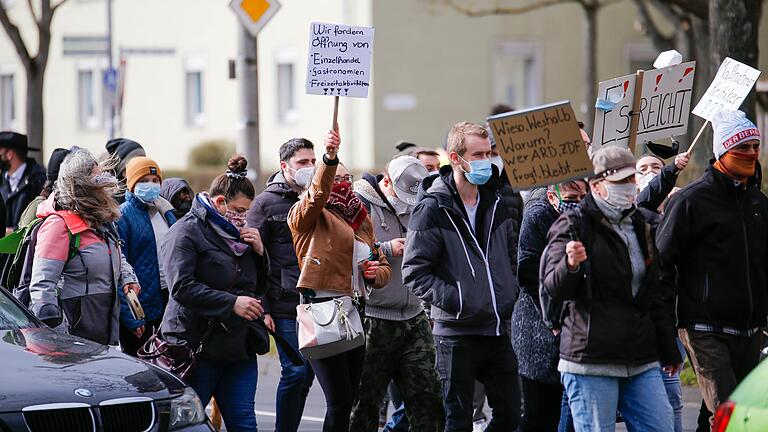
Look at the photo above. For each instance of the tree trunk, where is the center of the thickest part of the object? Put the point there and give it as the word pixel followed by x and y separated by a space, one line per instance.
pixel 590 78
pixel 733 29
pixel 35 123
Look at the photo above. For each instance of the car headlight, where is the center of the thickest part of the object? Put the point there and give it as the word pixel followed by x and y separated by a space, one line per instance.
pixel 186 410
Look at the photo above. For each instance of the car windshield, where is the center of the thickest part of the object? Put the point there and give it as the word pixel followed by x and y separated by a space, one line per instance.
pixel 12 316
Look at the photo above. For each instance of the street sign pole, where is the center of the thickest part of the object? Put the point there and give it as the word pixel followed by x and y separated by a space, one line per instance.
pixel 248 144
pixel 110 72
pixel 253 16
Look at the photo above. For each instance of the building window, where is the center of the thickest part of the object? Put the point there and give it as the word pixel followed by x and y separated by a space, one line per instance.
pixel 86 100
pixel 517 74
pixel 194 91
pixel 286 93
pixel 7 102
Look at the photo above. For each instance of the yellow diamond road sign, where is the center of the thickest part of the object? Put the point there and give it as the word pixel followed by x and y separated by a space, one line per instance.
pixel 255 14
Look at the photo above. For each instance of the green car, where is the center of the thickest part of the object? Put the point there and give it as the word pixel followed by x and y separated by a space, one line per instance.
pixel 747 408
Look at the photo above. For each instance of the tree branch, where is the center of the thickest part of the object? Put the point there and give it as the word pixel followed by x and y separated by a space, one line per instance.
pixel 661 42
pixel 32 10
pixel 700 8
pixel 458 7
pixel 12 30
pixel 58 5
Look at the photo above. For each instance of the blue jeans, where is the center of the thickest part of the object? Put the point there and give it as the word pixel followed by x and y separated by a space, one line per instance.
pixel 399 420
pixel 641 400
pixel 566 420
pixel 295 381
pixel 234 387
pixel 675 391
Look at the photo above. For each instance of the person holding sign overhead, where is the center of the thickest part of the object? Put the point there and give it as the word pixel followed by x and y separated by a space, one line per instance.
pixel 331 230
pixel 713 244
pixel 618 327
pixel 458 258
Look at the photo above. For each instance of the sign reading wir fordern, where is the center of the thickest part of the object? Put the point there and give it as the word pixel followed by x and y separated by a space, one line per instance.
pixel 339 60
pixel 541 145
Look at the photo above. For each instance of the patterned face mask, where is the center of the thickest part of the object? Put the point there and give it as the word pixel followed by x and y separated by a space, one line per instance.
pixel 563 206
pixel 235 218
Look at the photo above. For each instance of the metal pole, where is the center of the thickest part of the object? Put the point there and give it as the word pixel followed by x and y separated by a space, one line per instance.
pixel 248 144
pixel 110 72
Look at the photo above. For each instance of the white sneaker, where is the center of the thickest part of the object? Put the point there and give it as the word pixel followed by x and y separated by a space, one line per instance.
pixel 479 425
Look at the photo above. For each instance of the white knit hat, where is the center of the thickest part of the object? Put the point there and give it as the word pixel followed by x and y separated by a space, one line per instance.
pixel 731 129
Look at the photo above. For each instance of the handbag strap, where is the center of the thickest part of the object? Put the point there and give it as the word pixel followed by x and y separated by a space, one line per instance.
pixel 336 306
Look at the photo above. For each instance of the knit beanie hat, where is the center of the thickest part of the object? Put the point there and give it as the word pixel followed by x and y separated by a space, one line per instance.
pixel 731 129
pixel 57 157
pixel 138 167
pixel 125 150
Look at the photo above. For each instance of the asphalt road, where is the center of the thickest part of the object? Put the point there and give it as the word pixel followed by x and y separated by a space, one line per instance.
pixel 269 376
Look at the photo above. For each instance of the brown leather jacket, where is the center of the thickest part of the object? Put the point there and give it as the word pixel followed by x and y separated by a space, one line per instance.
pixel 324 242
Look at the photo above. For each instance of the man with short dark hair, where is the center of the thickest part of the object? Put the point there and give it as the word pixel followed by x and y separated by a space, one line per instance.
pixel 268 214
pixel 21 179
pixel 459 255
pixel 429 158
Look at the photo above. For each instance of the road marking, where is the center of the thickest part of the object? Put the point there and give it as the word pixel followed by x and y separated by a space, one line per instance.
pixel 271 414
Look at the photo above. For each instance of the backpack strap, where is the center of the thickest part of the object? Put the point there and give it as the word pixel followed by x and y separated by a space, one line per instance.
pixel 74 244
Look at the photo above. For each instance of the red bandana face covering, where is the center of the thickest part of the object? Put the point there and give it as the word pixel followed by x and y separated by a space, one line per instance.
pixel 346 205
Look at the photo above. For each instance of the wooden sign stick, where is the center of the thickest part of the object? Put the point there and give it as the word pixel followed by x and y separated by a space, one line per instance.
pixel 698 135
pixel 336 113
pixel 635 119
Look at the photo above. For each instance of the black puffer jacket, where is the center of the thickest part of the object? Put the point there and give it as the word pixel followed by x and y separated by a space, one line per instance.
pixel 268 214
pixel 469 280
pixel 604 323
pixel 205 278
pixel 713 243
pixel 658 189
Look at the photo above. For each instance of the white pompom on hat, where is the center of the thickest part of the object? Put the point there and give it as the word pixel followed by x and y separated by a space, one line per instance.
pixel 731 129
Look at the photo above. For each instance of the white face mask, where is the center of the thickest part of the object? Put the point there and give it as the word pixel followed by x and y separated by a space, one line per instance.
pixel 401 207
pixel 621 195
pixel 645 180
pixel 303 176
pixel 496 160
pixel 434 173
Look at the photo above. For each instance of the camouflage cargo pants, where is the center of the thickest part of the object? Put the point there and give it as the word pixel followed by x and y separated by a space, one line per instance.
pixel 402 351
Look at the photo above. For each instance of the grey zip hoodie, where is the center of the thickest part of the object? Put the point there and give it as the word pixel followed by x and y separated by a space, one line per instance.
pixel 394 302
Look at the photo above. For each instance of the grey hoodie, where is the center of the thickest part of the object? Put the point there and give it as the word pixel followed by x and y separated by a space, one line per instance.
pixel 394 302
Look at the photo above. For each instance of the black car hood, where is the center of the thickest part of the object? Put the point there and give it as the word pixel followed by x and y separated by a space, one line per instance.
pixel 41 366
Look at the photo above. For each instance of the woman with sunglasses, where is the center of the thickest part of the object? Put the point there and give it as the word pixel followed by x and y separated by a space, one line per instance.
pixel 334 240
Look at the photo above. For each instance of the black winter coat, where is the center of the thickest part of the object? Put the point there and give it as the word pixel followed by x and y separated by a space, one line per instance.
pixel 514 204
pixel 713 243
pixel 604 323
pixel 537 349
pixel 29 187
pixel 268 214
pixel 468 279
pixel 205 278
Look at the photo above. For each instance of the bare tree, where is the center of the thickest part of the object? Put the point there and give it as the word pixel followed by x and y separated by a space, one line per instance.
pixel 34 66
pixel 590 9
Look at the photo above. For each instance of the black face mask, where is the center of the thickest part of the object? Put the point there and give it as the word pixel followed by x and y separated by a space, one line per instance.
pixel 181 207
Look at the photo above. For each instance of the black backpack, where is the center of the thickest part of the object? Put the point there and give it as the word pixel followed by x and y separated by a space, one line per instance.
pixel 17 273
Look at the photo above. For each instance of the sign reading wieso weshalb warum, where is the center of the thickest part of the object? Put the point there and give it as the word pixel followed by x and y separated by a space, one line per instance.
pixel 541 145
pixel 339 61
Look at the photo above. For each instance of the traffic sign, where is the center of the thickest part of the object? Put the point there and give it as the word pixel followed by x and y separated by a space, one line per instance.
pixel 255 14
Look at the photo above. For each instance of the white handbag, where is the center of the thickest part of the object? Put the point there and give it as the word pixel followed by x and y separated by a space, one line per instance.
pixel 329 328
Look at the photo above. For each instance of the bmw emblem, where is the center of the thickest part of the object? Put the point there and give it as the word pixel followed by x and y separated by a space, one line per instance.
pixel 83 393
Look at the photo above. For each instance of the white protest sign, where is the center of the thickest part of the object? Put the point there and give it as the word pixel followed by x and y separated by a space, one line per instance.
pixel 732 84
pixel 664 106
pixel 339 60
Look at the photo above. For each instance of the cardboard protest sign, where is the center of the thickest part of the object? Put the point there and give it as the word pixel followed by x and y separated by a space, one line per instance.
pixel 664 106
pixel 541 145
pixel 339 60
pixel 732 84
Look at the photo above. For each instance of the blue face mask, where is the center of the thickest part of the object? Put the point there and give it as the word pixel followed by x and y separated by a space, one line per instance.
pixel 147 191
pixel 480 171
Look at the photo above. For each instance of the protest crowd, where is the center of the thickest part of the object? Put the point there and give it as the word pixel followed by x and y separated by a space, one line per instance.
pixel 437 284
